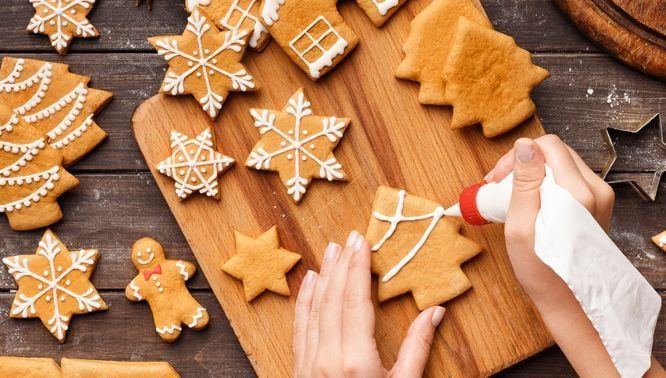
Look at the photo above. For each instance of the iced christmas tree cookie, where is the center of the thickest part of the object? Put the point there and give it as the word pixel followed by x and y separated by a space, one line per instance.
pixel 31 175
pixel 416 249
pixel 261 264
pixel 427 47
pixel 54 284
pixel 55 101
pixel 297 144
pixel 162 283
pixel 205 62
pixel 61 20
pixel 239 15
pixel 194 164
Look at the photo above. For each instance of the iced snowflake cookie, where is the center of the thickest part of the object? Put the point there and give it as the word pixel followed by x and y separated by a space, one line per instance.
pixel 261 264
pixel 660 240
pixel 61 20
pixel 416 249
pixel 238 15
pixel 483 63
pixel 162 283
pixel 427 47
pixel 54 284
pixel 71 367
pixel 205 62
pixel 297 144
pixel 55 101
pixel 194 164
pixel 31 175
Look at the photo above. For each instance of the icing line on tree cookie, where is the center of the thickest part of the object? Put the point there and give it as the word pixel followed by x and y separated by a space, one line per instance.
pixel 394 220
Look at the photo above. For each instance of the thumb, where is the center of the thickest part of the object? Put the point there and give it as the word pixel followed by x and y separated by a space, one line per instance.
pixel 415 349
pixel 528 174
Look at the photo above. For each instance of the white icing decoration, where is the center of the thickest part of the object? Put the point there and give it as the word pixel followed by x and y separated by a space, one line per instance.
pixel 398 217
pixel 182 270
pixel 314 42
pixel 50 176
pixel 150 258
pixel 42 77
pixel 383 6
pixel 201 60
pixel 29 151
pixel 662 241
pixel 168 329
pixel 269 12
pixel 75 134
pixel 198 316
pixel 204 156
pixel 9 126
pixel 24 305
pixel 257 30
pixel 191 4
pixel 57 15
pixel 298 107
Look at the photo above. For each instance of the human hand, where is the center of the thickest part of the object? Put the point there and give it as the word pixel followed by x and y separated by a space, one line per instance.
pixel 334 321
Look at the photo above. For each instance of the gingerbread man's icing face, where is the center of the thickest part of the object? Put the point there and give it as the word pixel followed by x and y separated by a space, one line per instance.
pixel 147 252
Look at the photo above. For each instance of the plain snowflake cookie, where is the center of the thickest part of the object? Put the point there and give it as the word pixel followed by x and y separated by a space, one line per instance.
pixel 54 284
pixel 194 164
pixel 261 264
pixel 205 62
pixel 62 20
pixel 162 283
pixel 416 249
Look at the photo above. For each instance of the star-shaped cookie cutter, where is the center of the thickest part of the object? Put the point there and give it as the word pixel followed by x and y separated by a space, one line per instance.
pixel 649 193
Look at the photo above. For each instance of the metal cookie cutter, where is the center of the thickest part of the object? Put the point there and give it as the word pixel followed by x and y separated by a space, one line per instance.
pixel 648 192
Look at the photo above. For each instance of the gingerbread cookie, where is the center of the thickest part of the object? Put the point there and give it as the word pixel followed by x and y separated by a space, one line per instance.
pixel 29 367
pixel 427 47
pixel 416 249
pixel 261 264
pixel 205 62
pixel 380 11
pixel 239 15
pixel 194 164
pixel 61 20
pixel 489 79
pixel 660 240
pixel 191 4
pixel 55 101
pixel 31 175
pixel 117 369
pixel 297 144
pixel 162 283
pixel 54 284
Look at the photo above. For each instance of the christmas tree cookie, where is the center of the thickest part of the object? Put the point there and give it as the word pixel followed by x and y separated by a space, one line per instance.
pixel 238 15
pixel 61 20
pixel 416 249
pixel 31 175
pixel 56 102
pixel 205 62
pixel 54 284
pixel 261 264
pixel 194 164
pixel 297 144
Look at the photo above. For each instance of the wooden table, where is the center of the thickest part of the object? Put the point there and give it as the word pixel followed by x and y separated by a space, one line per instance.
pixel 118 202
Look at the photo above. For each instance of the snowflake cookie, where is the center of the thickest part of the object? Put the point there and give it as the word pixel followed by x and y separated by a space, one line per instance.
pixel 55 101
pixel 61 20
pixel 261 264
pixel 205 62
pixel 416 249
pixel 161 283
pixel 237 15
pixel 194 164
pixel 54 284
pixel 31 175
pixel 297 144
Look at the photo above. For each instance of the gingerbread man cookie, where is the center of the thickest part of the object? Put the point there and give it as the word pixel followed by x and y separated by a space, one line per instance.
pixel 161 283
pixel 61 20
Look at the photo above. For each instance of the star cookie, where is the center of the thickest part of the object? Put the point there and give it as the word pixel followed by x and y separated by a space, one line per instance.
pixel 427 47
pixel 489 79
pixel 297 144
pixel 261 264
pixel 55 101
pixel 61 20
pixel 54 284
pixel 31 175
pixel 239 15
pixel 416 249
pixel 194 164
pixel 205 62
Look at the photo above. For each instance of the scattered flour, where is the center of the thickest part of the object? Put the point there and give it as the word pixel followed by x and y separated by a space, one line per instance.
pixel 614 98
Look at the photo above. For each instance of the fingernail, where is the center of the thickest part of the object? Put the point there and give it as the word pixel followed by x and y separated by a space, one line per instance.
pixel 524 151
pixel 358 243
pixel 309 278
pixel 489 177
pixel 351 239
pixel 437 315
pixel 331 251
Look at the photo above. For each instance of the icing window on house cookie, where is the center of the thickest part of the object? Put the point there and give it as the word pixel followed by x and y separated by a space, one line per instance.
pixel 237 15
pixel 394 220
pixel 318 45
pixel 383 6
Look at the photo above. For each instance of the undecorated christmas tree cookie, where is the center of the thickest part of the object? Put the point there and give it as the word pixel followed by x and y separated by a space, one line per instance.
pixel 29 367
pixel 416 249
pixel 261 264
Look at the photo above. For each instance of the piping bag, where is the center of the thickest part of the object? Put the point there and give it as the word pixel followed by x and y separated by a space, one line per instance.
pixel 618 300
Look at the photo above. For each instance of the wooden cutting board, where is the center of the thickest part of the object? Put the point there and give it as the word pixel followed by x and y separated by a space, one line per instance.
pixel 392 140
